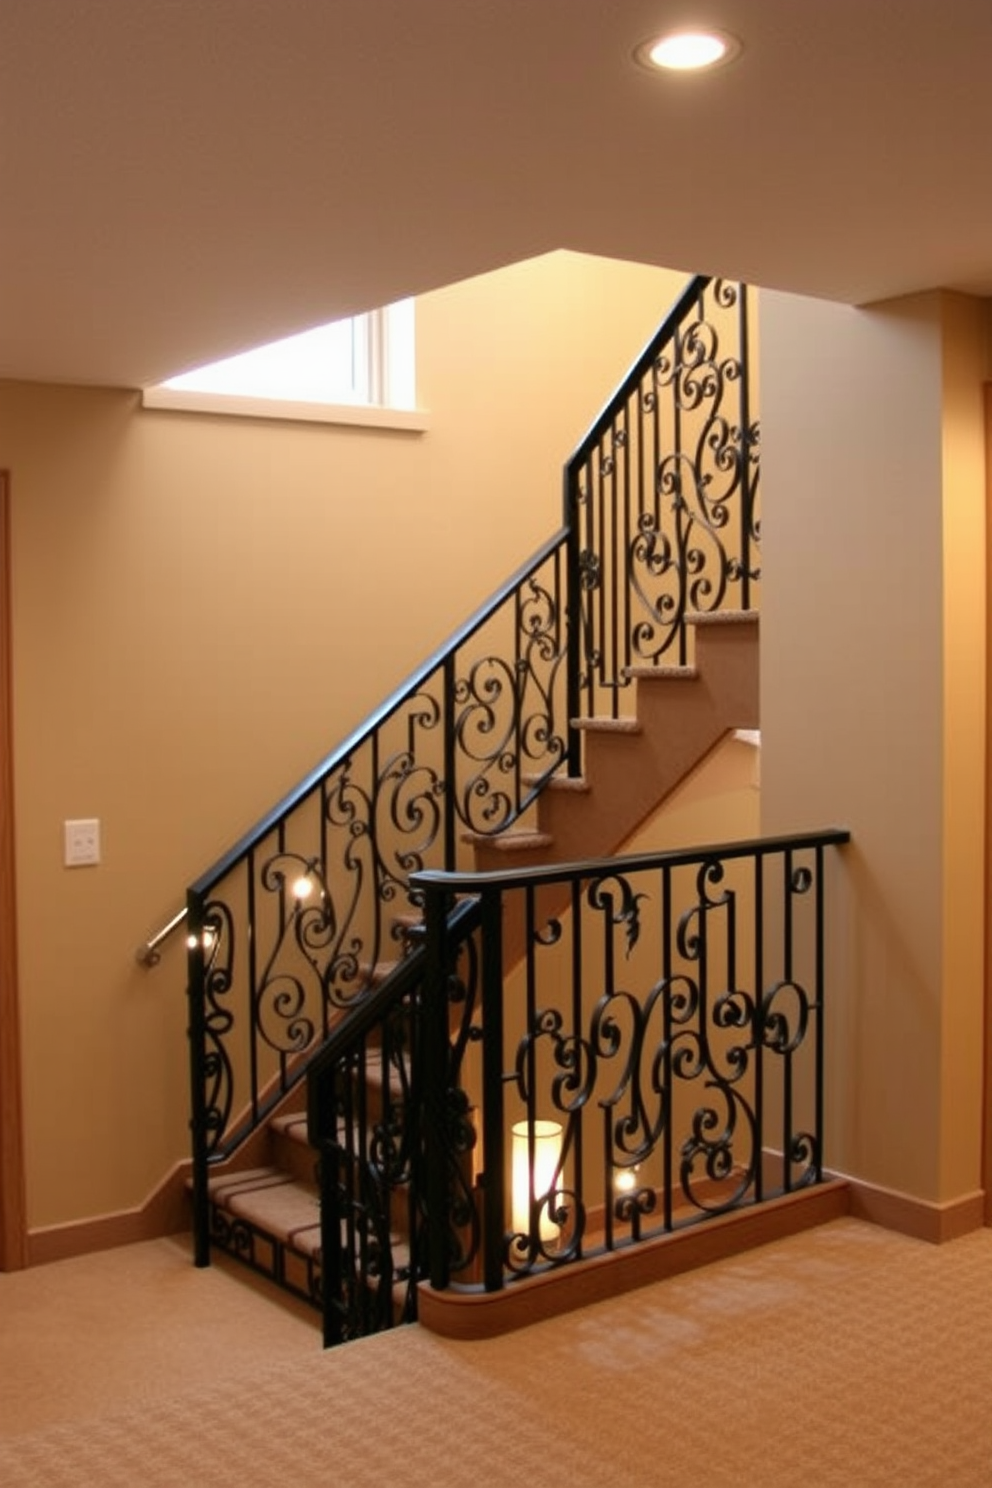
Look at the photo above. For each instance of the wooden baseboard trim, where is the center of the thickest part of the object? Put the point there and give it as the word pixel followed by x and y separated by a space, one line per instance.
pixel 164 1212
pixel 466 1315
pixel 918 1218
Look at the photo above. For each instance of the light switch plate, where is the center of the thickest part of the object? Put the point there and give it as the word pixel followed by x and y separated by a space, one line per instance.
pixel 82 843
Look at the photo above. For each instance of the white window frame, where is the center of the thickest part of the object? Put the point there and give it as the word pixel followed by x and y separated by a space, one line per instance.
pixel 383 382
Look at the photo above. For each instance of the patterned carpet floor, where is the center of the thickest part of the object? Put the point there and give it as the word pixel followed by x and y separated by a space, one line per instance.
pixel 844 1356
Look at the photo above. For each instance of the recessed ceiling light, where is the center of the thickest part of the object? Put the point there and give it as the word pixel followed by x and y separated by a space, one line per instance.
pixel 688 51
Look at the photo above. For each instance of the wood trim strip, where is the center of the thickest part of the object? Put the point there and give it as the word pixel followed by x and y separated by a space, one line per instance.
pixel 935 1223
pixel 13 1198
pixel 164 1212
pixel 466 1315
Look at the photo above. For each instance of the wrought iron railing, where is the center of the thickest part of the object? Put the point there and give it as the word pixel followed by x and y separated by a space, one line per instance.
pixel 291 930
pixel 664 1029
pixel 661 498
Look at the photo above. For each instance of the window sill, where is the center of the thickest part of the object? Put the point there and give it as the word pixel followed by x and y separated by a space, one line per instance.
pixel 410 420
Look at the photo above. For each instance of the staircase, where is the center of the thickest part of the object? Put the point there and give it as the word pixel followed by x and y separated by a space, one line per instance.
pixel 548 729
pixel 264 1203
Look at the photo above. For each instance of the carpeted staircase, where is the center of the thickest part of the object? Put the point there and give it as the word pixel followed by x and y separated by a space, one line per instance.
pixel 263 1202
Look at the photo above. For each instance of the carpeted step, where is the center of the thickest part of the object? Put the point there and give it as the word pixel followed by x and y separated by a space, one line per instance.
pixel 271 1221
pixel 273 1201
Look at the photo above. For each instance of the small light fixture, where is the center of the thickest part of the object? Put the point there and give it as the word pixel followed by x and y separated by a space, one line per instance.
pixel 625 1180
pixel 688 51
pixel 547 1155
pixel 303 887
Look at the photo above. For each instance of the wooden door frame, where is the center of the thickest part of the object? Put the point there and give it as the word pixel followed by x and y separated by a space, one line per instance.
pixel 987 1040
pixel 13 1207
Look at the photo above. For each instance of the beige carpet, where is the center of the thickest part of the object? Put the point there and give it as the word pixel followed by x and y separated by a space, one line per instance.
pixel 845 1356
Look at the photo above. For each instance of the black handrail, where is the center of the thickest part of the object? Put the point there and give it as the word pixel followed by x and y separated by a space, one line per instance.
pixel 552 873
pixel 407 689
pixel 683 307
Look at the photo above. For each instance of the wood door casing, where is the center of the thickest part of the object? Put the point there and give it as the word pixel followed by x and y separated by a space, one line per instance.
pixel 13 1209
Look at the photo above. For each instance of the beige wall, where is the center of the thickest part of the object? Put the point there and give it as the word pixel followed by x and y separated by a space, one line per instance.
pixel 201 608
pixel 872 706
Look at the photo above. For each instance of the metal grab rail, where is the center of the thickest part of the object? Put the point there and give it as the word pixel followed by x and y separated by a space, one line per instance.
pixel 149 954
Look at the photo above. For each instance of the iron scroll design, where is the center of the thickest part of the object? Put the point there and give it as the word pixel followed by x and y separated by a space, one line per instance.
pixel 301 921
pixel 294 929
pixel 663 497
pixel 667 1021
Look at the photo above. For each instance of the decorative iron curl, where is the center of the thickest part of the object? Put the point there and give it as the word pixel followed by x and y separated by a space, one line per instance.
pixel 713 1141
pixel 780 1032
pixel 217 939
pixel 622 911
pixel 804 1152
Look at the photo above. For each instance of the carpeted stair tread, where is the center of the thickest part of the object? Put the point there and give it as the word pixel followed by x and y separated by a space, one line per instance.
pixel 292 1125
pixel 723 617
pixel 576 783
pixel 661 673
pixel 275 1202
pixel 509 841
pixel 628 724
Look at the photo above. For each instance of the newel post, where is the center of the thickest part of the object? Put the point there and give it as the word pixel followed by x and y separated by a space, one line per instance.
pixel 197 1034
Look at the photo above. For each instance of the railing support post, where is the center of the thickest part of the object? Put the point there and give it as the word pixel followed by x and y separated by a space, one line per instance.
pixel 573 623
pixel 435 1029
pixel 197 1032
pixel 493 1179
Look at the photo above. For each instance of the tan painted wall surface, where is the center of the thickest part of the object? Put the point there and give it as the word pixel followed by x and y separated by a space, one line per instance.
pixel 204 607
pixel 862 719
pixel 965 323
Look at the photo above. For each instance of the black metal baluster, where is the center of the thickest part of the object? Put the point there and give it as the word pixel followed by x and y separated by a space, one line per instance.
pixel 576 657
pixel 667 1094
pixel 744 354
pixel 820 1016
pixel 624 597
pixel 787 1055
pixel 530 1075
pixel 196 995
pixel 758 1035
pixel 494 1175
pixel 576 1118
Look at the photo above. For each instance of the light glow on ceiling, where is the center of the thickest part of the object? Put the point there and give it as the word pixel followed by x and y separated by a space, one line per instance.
pixel 688 51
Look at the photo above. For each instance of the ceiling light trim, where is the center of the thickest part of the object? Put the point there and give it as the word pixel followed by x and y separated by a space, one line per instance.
pixel 688 51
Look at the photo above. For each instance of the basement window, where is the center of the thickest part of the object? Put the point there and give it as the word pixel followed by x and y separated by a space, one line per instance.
pixel 355 371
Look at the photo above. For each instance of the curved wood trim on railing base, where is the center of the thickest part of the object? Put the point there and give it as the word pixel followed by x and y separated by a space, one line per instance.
pixel 465 1315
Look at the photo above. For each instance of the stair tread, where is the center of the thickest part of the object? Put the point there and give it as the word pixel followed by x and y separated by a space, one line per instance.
pixel 509 841
pixel 627 724
pixel 577 783
pixel 283 1207
pixel 292 1125
pixel 274 1201
pixel 723 617
pixel 662 673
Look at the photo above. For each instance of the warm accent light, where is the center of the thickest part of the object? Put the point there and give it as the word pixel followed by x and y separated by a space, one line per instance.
pixel 688 51
pixel 547 1155
pixel 625 1180
pixel 303 887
